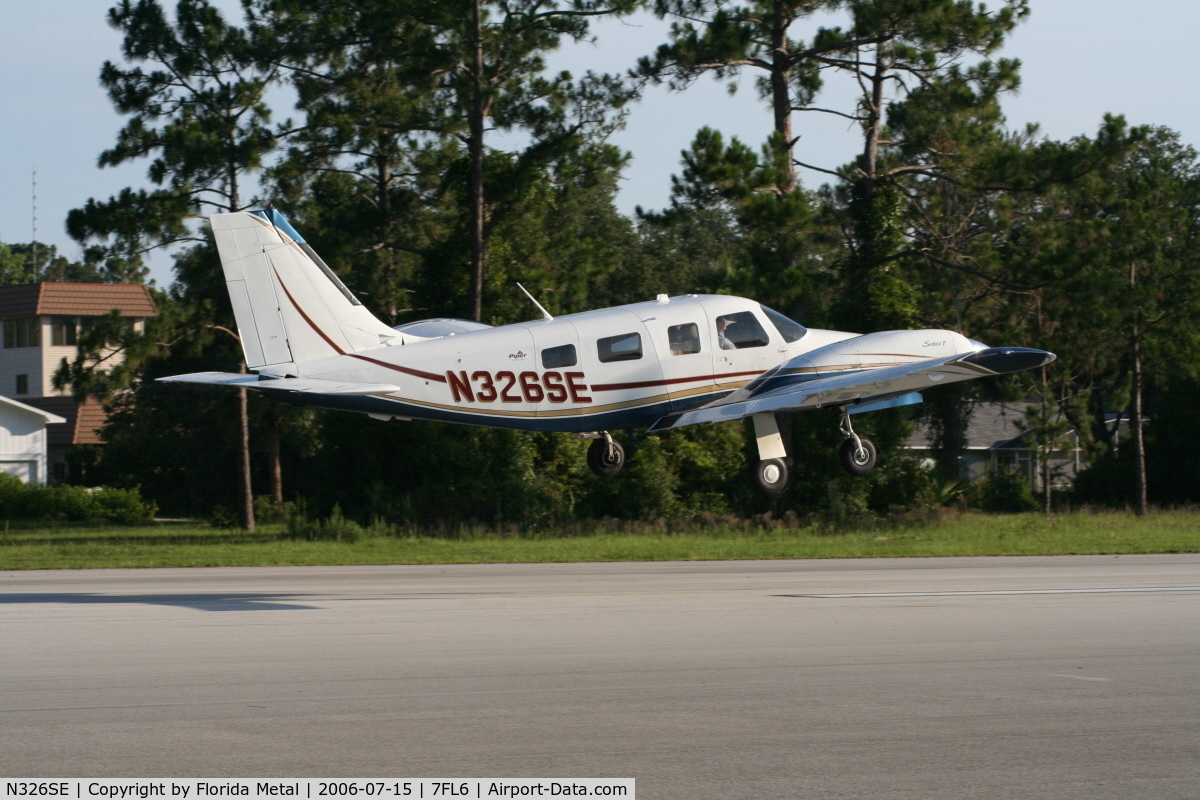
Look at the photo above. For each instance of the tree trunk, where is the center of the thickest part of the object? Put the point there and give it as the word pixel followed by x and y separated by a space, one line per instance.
pixel 275 470
pixel 781 98
pixel 1139 444
pixel 870 157
pixel 247 509
pixel 475 147
pixel 1047 499
pixel 1048 445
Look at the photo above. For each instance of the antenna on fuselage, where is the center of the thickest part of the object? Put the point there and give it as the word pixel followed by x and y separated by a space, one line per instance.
pixel 545 314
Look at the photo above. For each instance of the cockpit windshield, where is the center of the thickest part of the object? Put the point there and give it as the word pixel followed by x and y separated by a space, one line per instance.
pixel 790 330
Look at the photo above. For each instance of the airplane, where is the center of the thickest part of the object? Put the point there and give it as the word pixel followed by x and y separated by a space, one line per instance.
pixel 658 365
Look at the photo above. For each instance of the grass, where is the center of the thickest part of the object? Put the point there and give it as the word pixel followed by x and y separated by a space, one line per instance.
pixel 27 546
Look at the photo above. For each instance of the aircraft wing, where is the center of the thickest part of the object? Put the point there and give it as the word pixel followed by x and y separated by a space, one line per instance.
pixel 257 382
pixel 786 388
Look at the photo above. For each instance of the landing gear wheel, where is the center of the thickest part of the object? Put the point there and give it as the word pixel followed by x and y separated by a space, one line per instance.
pixel 772 476
pixel 857 459
pixel 605 457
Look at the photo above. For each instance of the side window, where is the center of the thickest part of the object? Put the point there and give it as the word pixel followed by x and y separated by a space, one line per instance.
pixel 626 347
pixel 684 339
pixel 22 384
pixel 740 330
pixel 555 357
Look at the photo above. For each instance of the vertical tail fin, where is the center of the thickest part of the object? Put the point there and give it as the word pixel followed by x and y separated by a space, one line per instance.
pixel 290 307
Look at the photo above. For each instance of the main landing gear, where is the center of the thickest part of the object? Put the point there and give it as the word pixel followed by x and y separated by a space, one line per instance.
pixel 857 454
pixel 605 456
pixel 772 474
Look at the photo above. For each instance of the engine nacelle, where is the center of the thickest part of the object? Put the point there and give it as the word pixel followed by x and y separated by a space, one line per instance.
pixel 882 349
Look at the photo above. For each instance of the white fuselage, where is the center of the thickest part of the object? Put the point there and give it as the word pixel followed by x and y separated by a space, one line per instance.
pixel 579 372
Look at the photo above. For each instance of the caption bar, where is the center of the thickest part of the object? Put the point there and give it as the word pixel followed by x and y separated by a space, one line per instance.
pixel 419 788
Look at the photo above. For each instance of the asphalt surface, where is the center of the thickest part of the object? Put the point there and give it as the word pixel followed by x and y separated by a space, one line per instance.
pixel 1064 677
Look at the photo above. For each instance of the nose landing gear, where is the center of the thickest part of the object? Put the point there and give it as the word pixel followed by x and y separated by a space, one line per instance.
pixel 856 454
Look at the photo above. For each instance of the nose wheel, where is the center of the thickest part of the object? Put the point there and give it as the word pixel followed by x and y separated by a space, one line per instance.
pixel 857 454
pixel 605 456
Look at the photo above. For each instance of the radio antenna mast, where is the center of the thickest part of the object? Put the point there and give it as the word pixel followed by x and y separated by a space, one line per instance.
pixel 34 253
pixel 545 314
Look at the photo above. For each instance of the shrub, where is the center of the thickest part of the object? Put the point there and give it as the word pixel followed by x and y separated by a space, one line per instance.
pixel 336 528
pixel 221 517
pixel 266 511
pixel 1003 492
pixel 73 503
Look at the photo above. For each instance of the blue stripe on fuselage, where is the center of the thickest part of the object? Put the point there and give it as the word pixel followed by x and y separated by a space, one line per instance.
pixel 637 417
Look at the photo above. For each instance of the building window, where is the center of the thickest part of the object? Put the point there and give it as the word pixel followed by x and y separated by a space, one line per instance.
pixel 22 384
pixel 63 331
pixel 24 332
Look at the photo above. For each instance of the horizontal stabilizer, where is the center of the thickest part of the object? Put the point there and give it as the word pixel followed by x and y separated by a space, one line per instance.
pixel 259 383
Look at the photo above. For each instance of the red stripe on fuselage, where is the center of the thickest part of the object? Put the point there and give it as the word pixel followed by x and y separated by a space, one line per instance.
pixel 429 376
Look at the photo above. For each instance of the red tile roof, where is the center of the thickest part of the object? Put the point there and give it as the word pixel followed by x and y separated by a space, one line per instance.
pixel 84 420
pixel 76 300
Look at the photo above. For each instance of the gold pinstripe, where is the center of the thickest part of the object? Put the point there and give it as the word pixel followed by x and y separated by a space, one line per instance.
pixel 576 411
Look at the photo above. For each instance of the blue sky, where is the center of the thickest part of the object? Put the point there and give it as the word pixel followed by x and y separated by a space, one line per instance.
pixel 1081 58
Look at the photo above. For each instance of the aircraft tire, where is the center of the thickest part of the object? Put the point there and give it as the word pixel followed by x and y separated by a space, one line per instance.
pixel 772 476
pixel 601 462
pixel 857 463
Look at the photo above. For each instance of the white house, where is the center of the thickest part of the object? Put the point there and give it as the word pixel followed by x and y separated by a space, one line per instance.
pixel 23 439
pixel 40 325
pixel 999 437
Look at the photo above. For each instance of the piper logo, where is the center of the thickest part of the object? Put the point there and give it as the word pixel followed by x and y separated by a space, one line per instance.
pixel 517 356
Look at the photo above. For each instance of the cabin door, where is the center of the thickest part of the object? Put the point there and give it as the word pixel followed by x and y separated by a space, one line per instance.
pixel 679 331
pixel 744 346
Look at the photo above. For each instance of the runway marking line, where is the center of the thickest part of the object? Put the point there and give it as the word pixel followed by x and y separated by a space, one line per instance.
pixel 982 593
pixel 1079 677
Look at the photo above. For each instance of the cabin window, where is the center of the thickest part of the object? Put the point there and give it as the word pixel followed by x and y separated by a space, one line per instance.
pixel 24 332
pixel 790 330
pixel 562 356
pixel 22 384
pixel 63 331
pixel 739 331
pixel 626 347
pixel 684 339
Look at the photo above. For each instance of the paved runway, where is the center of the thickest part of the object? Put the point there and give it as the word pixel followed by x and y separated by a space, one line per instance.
pixel 900 678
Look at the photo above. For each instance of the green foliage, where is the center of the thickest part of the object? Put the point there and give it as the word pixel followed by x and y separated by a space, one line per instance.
pixel 34 262
pixel 22 501
pixel 335 528
pixel 267 511
pixel 946 219
pixel 1003 492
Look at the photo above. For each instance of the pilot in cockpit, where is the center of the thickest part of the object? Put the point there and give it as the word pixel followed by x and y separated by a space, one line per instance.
pixel 722 340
